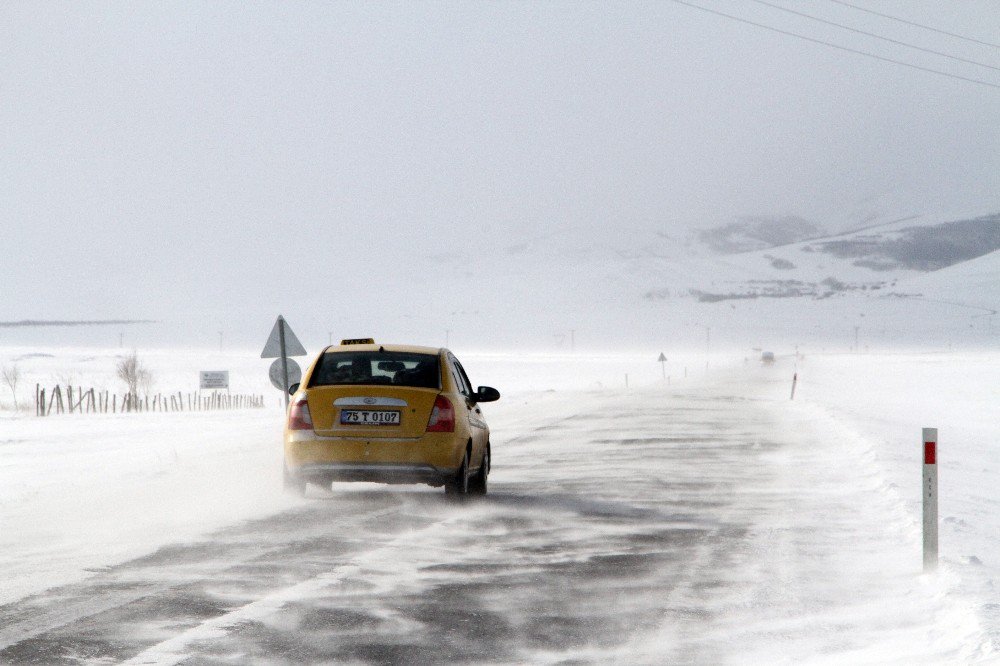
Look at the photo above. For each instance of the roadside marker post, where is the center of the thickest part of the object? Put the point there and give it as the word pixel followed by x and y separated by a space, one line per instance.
pixel 930 498
pixel 795 379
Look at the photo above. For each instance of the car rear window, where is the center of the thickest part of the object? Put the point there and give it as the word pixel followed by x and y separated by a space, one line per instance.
pixel 377 368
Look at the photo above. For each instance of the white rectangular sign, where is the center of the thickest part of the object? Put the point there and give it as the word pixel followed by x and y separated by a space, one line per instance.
pixel 215 379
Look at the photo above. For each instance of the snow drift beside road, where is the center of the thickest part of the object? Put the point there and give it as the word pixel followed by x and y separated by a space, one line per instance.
pixel 885 400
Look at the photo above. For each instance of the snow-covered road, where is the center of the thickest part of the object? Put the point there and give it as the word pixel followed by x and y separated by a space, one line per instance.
pixel 710 523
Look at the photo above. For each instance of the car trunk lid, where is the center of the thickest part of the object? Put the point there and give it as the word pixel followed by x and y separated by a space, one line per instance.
pixel 370 412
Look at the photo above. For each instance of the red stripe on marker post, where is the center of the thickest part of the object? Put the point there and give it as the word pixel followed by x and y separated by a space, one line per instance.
pixel 930 453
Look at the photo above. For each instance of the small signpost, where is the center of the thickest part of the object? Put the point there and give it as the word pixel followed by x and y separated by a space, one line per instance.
pixel 663 364
pixel 929 490
pixel 214 379
pixel 281 344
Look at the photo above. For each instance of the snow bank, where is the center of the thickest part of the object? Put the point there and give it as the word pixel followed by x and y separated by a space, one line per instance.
pixel 884 401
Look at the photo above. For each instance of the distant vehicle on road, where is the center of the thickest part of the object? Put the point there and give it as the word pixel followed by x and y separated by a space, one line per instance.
pixel 388 414
pixel 767 358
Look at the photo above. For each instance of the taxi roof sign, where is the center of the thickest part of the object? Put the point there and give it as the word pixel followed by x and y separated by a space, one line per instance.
pixel 358 341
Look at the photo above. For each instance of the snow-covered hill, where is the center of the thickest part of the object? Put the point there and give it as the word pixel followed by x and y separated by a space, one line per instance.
pixel 633 289
pixel 871 259
pixel 641 286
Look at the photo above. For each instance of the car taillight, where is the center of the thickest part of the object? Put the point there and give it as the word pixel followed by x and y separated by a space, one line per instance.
pixel 442 416
pixel 299 417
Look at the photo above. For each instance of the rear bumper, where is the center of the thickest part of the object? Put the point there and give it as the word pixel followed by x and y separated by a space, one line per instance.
pixel 374 473
pixel 427 459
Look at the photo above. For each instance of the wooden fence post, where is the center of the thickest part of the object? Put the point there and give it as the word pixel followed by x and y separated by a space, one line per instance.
pixel 89 401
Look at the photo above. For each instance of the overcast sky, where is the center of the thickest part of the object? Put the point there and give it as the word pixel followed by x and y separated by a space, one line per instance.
pixel 184 161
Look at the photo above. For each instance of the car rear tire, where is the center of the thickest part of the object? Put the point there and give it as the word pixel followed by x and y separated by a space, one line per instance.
pixel 477 484
pixel 460 484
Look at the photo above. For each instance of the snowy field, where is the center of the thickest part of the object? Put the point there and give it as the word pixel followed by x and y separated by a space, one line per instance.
pixel 826 568
pixel 883 401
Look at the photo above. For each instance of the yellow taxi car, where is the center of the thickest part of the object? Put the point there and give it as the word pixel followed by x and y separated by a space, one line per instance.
pixel 389 414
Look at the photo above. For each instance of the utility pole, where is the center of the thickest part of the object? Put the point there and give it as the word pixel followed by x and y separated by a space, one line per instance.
pixel 708 345
pixel 708 342
pixel 856 339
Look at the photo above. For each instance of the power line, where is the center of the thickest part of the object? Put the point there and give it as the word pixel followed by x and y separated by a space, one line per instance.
pixel 918 25
pixel 837 46
pixel 872 34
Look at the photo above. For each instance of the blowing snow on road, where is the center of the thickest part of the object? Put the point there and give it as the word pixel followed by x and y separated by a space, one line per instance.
pixel 706 522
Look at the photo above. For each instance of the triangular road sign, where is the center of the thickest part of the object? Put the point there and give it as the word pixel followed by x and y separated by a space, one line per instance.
pixel 273 347
pixel 662 359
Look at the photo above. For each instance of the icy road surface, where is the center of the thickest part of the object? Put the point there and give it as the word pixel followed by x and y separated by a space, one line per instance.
pixel 712 524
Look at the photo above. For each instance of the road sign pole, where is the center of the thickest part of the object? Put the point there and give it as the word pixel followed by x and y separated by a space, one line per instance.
pixel 930 499
pixel 284 357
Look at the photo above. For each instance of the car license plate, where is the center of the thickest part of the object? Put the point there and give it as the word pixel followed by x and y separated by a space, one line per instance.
pixel 376 417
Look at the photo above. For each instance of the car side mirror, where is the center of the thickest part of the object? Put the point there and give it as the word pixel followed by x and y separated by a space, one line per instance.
pixel 486 394
pixel 293 388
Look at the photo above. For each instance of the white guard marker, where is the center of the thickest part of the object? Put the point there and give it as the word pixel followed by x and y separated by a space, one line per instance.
pixel 930 498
